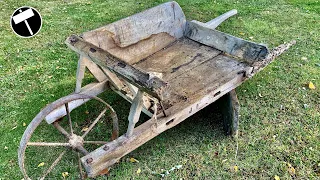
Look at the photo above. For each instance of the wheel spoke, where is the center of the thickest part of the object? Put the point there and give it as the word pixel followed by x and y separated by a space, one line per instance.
pixel 94 123
pixel 69 117
pixel 61 129
pixel 53 165
pixel 95 142
pixel 47 144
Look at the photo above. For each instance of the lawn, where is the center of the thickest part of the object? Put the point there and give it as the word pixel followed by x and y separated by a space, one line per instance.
pixel 280 116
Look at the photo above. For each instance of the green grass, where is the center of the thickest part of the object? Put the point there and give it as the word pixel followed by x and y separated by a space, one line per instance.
pixel 39 70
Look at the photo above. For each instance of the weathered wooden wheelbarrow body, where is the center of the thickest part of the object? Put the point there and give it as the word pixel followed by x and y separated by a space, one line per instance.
pixel 167 67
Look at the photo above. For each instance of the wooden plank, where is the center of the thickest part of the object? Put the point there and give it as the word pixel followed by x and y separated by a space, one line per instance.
pixel 178 58
pixel 92 89
pixel 129 98
pixel 115 81
pixel 135 111
pixel 232 45
pixel 94 69
pixel 152 85
pixel 206 76
pixel 80 74
pixel 167 17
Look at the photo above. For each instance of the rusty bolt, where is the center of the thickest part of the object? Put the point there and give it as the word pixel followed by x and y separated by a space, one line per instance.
pixel 89 160
pixel 106 148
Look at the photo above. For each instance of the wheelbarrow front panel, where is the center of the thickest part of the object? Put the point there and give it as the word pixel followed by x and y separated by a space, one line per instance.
pixel 138 36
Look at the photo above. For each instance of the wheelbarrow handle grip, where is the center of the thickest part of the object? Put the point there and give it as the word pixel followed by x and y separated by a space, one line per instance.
pixel 218 20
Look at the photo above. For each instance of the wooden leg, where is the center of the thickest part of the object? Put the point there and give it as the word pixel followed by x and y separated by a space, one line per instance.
pixel 80 74
pixel 230 108
pixel 135 112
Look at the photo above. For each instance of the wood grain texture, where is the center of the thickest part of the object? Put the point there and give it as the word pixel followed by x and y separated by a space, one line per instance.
pixel 189 67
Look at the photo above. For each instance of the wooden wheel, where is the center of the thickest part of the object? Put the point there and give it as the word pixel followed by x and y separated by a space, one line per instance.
pixel 71 141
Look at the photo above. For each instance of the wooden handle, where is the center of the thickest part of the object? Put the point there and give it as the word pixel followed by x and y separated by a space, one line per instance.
pixel 218 20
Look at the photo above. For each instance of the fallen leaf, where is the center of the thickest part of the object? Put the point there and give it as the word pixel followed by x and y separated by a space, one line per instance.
pixel 133 160
pixel 41 164
pixel 276 177
pixel 260 95
pixel 292 171
pixel 311 85
pixel 24 124
pixel 6 148
pixel 104 172
pixel 65 174
pixel 138 171
pixel 242 33
pixel 250 37
pixel 86 112
pixel 84 129
pixel 235 168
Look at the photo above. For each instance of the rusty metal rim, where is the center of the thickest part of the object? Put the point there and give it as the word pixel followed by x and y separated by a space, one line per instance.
pixel 45 111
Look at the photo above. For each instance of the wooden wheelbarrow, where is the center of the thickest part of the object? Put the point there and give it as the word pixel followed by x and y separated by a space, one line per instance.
pixel 165 66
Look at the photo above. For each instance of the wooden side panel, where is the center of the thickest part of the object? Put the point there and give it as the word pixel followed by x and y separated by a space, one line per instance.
pixel 232 45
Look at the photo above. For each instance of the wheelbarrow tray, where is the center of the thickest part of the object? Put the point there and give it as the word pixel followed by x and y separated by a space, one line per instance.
pixel 181 65
pixel 167 67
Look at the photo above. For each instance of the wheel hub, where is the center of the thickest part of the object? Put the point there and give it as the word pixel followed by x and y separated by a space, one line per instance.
pixel 76 141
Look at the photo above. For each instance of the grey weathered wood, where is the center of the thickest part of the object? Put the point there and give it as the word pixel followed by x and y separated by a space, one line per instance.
pixel 189 67
pixel 94 69
pixel 129 98
pixel 139 36
pixel 232 45
pixel 135 111
pixel 167 17
pixel 80 73
pixel 178 58
pixel 110 153
pixel 230 109
pixel 115 81
pixel 152 85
